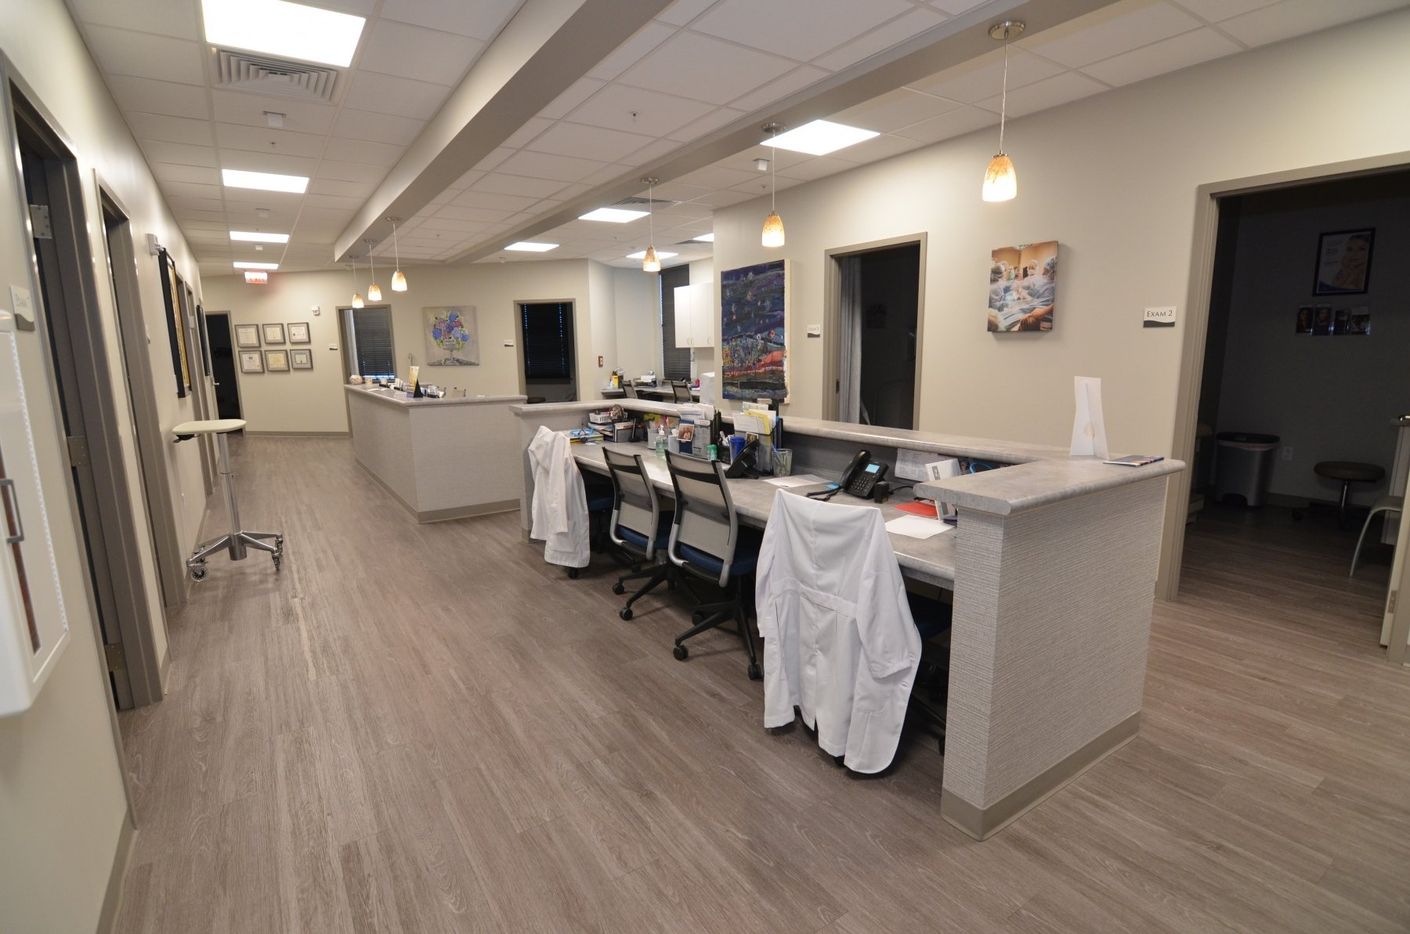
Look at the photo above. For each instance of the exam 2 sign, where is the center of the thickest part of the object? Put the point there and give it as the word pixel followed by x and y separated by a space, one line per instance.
pixel 1162 317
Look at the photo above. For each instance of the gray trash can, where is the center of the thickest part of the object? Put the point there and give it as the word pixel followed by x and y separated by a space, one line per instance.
pixel 1243 463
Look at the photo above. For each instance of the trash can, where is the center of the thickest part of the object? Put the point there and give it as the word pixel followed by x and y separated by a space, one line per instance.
pixel 1243 461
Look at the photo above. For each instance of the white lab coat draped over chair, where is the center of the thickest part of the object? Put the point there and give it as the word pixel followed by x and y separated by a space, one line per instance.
pixel 839 642
pixel 559 509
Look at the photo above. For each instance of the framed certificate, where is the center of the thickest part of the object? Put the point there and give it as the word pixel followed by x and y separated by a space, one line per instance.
pixel 298 332
pixel 301 359
pixel 276 361
pixel 274 333
pixel 251 361
pixel 246 335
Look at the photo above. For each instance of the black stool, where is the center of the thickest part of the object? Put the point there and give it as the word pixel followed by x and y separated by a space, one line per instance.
pixel 1346 473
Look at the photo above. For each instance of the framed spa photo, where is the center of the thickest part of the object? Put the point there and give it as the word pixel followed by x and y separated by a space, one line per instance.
pixel 1344 262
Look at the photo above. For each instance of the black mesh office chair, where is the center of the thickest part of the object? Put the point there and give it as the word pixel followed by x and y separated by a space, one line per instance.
pixel 708 544
pixel 629 388
pixel 680 391
pixel 930 693
pixel 637 526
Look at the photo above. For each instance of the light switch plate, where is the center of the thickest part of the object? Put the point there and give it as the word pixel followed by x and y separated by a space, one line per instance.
pixel 1159 317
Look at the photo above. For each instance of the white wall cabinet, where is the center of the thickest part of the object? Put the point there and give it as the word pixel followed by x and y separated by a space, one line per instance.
pixel 695 315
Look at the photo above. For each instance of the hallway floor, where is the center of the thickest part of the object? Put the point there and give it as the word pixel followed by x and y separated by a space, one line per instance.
pixel 425 728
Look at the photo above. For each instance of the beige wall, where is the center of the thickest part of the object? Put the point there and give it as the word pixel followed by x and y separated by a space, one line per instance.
pixel 637 297
pixel 313 401
pixel 61 794
pixel 1114 179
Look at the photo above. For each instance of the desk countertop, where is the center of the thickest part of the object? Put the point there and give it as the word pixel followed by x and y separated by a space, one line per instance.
pixel 397 398
pixel 931 559
pixel 1028 486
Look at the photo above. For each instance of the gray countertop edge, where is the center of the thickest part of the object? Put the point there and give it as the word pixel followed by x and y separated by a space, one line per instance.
pixel 1028 486
pixel 384 397
pixel 1009 452
pixel 561 408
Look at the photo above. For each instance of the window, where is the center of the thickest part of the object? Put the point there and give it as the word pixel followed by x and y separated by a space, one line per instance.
pixel 548 341
pixel 675 361
pixel 369 342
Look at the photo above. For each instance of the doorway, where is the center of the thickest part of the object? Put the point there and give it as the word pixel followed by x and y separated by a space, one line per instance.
pixel 222 351
pixel 875 292
pixel 83 378
pixel 547 359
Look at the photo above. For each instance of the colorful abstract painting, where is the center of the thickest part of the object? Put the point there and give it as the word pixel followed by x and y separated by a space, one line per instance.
pixel 452 337
pixel 753 332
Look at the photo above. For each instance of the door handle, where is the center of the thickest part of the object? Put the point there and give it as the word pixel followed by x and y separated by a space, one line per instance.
pixel 7 487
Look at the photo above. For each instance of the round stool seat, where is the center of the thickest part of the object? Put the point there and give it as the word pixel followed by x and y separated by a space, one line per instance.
pixel 1349 471
pixel 208 426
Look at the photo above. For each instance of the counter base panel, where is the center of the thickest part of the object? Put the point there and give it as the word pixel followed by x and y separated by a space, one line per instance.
pixel 443 515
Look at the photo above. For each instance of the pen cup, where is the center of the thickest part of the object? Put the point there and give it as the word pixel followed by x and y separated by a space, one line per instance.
pixel 783 462
pixel 736 447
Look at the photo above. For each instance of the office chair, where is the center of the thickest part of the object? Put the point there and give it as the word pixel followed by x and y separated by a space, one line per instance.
pixel 637 526
pixel 930 693
pixel 707 543
pixel 680 391
pixel 629 388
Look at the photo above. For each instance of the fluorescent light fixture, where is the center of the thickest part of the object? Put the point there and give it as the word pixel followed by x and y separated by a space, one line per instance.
pixel 529 246
pixel 612 215
pixel 289 30
pixel 253 236
pixel 269 266
pixel 705 238
pixel 820 137
pixel 660 254
pixel 264 181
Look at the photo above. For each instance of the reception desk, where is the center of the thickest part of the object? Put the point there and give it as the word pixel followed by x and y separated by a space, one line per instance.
pixel 441 458
pixel 1052 567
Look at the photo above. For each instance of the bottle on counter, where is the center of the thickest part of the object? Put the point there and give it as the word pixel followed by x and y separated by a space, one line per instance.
pixel 661 442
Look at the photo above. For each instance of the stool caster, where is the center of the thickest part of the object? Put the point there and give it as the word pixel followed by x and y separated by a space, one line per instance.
pixel 618 589
pixel 755 672
pixel 198 572
pixel 572 574
pixel 625 612
pixel 681 653
pixel 278 560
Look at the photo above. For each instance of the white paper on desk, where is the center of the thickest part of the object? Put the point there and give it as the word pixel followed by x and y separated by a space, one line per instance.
pixel 749 424
pixel 1088 426
pixel 709 389
pixel 917 526
pixel 800 480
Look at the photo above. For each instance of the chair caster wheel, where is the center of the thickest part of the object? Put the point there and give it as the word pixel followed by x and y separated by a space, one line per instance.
pixel 625 612
pixel 681 653
pixel 618 589
pixel 755 672
pixel 278 560
pixel 573 574
pixel 198 574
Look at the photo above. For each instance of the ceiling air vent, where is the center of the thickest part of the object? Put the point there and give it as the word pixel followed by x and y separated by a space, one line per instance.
pixel 242 71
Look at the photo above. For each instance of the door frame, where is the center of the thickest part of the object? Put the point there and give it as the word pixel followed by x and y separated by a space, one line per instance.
pixel 121 254
pixel 1196 331
pixel 832 316
pixel 230 323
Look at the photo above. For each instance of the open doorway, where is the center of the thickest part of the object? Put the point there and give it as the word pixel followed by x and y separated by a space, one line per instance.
pixel 1301 457
pixel 547 359
pixel 875 293
pixel 222 351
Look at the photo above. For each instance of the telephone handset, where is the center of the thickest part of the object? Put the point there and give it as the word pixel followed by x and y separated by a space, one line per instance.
pixel 862 475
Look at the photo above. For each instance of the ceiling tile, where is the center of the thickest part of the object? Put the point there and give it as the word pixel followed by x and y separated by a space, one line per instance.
pixel 946 126
pixel 472 198
pixel 332 186
pixel 159 97
pixel 683 11
pixel 406 51
pixel 329 200
pixel 204 175
pixel 124 52
pixel 482 215
pixel 526 133
pixel 171 129
pixel 776 90
pixel 1296 17
pixel 818 167
pixel 262 139
pixel 880 39
pixel 166 17
pixel 778 27
pixel 899 108
pixel 631 51
pixel 249 110
pixel 1112 30
pixel 956 7
pixel 703 68
pixel 577 92
pixel 882 147
pixel 981 77
pixel 571 139
pixel 517 185
pixel 364 151
pixel 716 176
pixel 191 191
pixel 1046 94
pixel 267 162
pixel 1182 51
pixel 651 152
pixel 544 165
pixel 334 170
pixel 391 95
pixel 1216 10
pixel 481 19
pixel 493 158
pixel 180 153
pixel 720 117
pixel 380 128
pixel 638 110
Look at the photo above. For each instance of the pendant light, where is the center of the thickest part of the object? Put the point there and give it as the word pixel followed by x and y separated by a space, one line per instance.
pixel 374 291
pixel 357 296
pixel 1001 181
pixel 773 224
pixel 649 262
pixel 398 277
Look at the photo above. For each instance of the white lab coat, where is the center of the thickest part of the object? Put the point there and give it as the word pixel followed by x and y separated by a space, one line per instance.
pixel 559 509
pixel 839 641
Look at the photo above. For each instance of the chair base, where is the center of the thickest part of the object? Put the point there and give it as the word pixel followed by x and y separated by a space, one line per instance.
pixel 236 544
pixel 712 616
pixel 654 577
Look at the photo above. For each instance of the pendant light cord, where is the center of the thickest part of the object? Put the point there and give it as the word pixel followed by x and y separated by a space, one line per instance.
pixel 773 175
pixel 1004 97
pixel 651 218
pixel 395 247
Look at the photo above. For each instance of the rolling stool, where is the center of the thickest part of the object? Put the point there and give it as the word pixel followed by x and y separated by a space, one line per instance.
pixel 1347 473
pixel 237 539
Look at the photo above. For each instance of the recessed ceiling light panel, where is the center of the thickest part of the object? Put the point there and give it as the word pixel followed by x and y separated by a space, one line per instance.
pixel 660 254
pixel 289 30
pixel 264 181
pixel 612 215
pixel 269 266
pixel 820 137
pixel 254 236
pixel 529 246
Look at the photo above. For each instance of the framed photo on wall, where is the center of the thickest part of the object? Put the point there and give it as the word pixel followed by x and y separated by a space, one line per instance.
pixel 301 359
pixel 1344 262
pixel 251 361
pixel 1023 287
pixel 274 333
pixel 246 335
pixel 276 361
pixel 298 332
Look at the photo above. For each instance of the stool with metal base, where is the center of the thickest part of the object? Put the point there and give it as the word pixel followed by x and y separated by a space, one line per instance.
pixel 237 539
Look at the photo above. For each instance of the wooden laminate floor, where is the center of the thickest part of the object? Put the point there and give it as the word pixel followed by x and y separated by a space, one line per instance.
pixel 424 728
